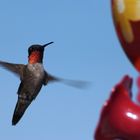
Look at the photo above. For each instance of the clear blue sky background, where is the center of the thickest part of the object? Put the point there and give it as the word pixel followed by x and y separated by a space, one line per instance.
pixel 86 48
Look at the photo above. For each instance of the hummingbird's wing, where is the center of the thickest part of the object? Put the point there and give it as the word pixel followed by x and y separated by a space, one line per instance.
pixel 15 68
pixel 74 83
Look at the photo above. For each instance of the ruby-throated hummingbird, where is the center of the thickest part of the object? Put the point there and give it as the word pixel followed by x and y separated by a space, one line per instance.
pixel 32 76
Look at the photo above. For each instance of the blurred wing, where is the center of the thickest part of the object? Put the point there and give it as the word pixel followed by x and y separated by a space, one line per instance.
pixel 15 68
pixel 49 78
pixel 74 83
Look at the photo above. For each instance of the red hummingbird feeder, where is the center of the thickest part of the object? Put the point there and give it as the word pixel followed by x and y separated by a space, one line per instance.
pixel 120 116
pixel 126 16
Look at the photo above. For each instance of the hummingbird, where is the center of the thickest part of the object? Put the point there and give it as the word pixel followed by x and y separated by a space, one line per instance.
pixel 32 77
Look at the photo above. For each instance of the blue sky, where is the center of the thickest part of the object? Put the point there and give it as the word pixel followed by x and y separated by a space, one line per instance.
pixel 86 48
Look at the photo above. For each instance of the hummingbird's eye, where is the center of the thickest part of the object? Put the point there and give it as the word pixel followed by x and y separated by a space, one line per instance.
pixel 30 49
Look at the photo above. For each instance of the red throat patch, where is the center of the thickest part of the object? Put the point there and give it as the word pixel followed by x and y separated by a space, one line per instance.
pixel 35 57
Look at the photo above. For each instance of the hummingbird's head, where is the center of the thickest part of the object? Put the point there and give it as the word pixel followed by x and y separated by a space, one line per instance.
pixel 35 53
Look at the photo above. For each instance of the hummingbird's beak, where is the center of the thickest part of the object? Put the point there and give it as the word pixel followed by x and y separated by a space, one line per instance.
pixel 47 44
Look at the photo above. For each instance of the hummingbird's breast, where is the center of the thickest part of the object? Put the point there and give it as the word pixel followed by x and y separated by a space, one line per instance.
pixel 36 70
pixel 32 81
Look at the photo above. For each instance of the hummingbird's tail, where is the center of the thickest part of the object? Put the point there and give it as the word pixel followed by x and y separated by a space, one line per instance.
pixel 20 108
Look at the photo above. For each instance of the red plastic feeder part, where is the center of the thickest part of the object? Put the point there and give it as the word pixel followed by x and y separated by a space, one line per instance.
pixel 120 116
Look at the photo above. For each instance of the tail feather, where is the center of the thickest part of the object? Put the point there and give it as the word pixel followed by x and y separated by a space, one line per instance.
pixel 19 111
